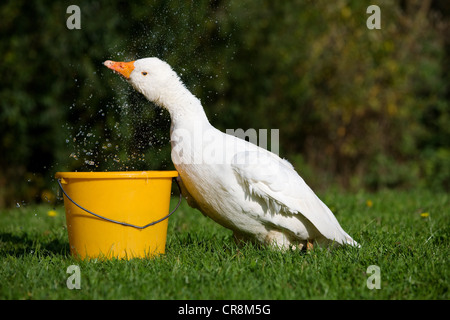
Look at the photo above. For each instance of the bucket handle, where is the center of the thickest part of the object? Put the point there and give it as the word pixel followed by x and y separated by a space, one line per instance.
pixel 124 223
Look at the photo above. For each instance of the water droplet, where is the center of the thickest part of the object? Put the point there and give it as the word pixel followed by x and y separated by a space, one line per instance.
pixel 73 155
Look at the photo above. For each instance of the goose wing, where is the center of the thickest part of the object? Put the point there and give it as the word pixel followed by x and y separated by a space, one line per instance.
pixel 265 176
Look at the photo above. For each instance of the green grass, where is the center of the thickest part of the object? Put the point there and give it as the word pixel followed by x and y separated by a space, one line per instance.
pixel 202 261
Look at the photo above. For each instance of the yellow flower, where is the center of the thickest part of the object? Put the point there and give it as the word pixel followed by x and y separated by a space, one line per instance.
pixel 52 213
pixel 424 214
pixel 369 203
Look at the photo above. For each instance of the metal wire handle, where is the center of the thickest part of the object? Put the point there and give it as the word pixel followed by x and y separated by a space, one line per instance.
pixel 124 223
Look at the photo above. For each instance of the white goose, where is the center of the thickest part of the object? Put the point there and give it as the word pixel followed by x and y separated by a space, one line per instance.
pixel 243 187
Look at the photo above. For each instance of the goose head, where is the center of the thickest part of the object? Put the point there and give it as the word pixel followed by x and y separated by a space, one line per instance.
pixel 152 77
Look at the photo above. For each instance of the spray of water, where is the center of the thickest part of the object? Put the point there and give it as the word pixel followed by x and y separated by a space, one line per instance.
pixel 124 131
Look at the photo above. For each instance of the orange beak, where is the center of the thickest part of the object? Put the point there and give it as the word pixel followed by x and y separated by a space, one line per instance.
pixel 124 68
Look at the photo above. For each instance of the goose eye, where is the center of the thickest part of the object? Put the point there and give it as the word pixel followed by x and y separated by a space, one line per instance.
pixel 144 73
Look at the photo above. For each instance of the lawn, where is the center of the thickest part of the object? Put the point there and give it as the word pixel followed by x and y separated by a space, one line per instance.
pixel 405 234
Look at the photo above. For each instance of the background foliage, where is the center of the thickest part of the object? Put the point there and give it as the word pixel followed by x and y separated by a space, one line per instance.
pixel 356 108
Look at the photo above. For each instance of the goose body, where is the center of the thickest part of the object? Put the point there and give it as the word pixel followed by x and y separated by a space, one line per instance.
pixel 243 187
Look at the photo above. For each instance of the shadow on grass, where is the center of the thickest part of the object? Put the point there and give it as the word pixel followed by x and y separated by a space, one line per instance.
pixel 25 244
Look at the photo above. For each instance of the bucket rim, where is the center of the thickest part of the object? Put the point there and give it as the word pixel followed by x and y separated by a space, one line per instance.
pixel 117 174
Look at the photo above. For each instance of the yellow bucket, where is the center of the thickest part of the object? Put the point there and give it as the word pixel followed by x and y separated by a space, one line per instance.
pixel 120 215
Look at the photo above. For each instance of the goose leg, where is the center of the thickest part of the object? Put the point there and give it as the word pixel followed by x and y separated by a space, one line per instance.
pixel 309 245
